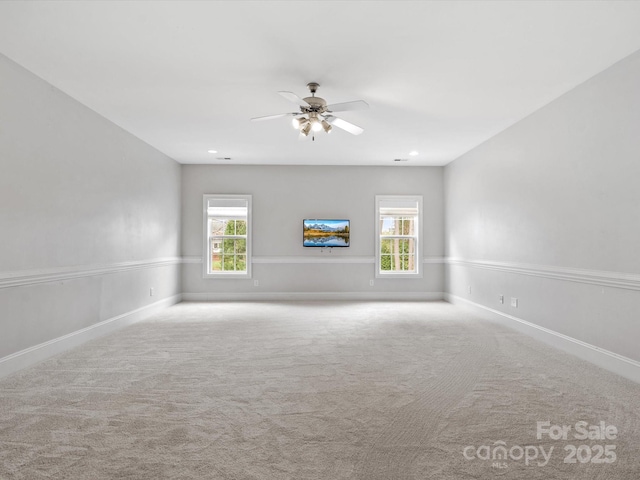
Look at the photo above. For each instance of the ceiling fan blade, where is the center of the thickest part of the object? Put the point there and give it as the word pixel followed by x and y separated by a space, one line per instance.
pixel 270 117
pixel 343 107
pixel 292 97
pixel 344 125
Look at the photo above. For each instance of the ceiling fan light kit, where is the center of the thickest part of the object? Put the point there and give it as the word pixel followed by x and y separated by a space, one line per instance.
pixel 315 115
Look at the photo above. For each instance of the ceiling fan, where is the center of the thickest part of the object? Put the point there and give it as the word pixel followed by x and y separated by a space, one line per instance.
pixel 315 115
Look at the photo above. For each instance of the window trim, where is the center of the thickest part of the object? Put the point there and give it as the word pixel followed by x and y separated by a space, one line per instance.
pixel 228 274
pixel 419 234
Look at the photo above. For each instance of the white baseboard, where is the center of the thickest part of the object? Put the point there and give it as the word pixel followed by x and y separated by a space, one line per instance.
pixel 29 356
pixel 618 364
pixel 311 296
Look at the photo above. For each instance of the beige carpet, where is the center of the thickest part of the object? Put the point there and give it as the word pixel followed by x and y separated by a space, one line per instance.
pixel 314 391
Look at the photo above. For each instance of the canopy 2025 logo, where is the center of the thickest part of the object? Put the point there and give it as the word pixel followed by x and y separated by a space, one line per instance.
pixel 539 456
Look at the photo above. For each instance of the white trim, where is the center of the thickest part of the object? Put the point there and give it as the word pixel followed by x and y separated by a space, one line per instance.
pixel 192 259
pixel 606 359
pixel 418 234
pixel 329 258
pixel 206 274
pixel 290 259
pixel 628 281
pixel 29 356
pixel 434 259
pixel 34 277
pixel 313 296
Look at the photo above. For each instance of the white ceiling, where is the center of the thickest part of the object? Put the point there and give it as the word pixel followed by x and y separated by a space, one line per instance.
pixel 440 77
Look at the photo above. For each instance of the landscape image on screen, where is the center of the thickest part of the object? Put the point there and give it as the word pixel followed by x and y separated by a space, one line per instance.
pixel 325 233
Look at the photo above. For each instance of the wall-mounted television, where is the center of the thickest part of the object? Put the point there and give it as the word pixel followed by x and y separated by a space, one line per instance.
pixel 325 233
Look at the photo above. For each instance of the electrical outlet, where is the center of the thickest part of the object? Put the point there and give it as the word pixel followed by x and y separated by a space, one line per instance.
pixel 501 299
pixel 514 302
pixel 151 292
pixel 371 282
pixel 256 283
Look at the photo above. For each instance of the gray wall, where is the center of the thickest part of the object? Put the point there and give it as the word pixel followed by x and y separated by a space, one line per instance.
pixel 282 198
pixel 89 216
pixel 548 212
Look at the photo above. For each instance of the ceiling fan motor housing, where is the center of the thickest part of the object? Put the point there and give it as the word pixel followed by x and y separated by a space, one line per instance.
pixel 316 104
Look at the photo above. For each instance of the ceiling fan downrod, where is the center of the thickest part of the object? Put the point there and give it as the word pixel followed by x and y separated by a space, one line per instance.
pixel 313 88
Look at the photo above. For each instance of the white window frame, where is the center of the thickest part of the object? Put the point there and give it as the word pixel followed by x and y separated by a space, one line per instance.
pixel 380 199
pixel 206 255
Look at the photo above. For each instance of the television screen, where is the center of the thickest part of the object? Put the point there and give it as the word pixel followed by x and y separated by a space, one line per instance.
pixel 325 233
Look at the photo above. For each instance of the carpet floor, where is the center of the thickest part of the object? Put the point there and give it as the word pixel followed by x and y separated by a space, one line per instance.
pixel 318 390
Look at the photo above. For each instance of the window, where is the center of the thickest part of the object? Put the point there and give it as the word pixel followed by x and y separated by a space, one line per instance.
pixel 398 235
pixel 227 236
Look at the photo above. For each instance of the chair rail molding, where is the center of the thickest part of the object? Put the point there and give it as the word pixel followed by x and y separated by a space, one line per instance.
pixel 324 257
pixel 33 277
pixel 629 281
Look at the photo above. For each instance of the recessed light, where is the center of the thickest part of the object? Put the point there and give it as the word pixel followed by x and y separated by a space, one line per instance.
pixel 413 153
pixel 212 151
